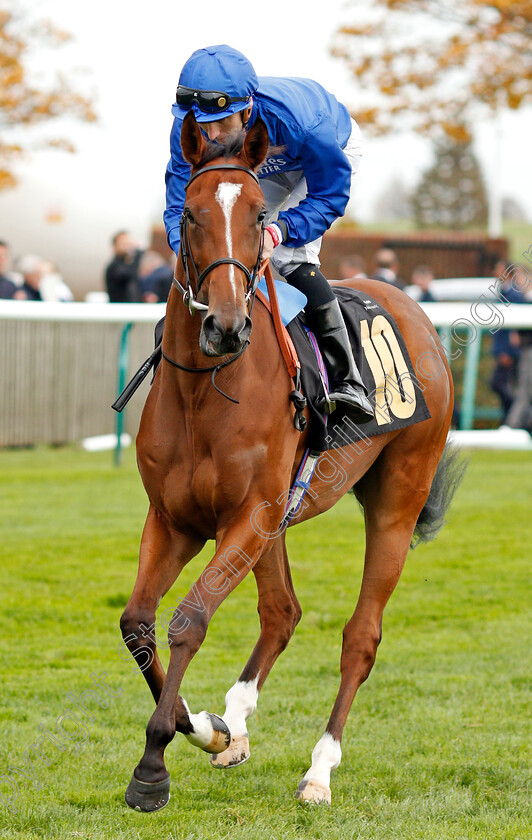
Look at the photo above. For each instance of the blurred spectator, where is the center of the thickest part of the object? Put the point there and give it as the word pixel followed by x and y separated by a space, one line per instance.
pixel 31 268
pixel 505 345
pixel 520 414
pixel 7 286
pixel 52 286
pixel 422 277
pixel 40 281
pixel 155 277
pixel 353 267
pixel 387 268
pixel 121 275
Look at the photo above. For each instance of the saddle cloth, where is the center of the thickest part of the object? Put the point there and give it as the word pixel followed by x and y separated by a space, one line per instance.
pixel 382 358
pixel 385 366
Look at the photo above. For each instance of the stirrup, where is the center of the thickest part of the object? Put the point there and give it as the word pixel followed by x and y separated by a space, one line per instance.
pixel 355 401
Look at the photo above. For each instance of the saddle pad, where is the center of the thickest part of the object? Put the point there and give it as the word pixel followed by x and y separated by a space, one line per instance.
pixel 384 363
pixel 291 300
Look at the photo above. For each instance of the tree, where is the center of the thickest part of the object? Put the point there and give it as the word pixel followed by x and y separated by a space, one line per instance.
pixel 429 64
pixel 395 201
pixel 451 192
pixel 513 210
pixel 23 102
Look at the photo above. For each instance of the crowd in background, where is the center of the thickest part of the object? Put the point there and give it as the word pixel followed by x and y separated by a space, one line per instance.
pixel 33 278
pixel 511 378
pixel 135 275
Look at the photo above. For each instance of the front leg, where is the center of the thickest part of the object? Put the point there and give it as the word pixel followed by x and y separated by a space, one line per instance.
pixel 164 552
pixel 279 613
pixel 238 552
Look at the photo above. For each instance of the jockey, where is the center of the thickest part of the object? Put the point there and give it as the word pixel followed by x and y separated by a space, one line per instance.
pixel 315 149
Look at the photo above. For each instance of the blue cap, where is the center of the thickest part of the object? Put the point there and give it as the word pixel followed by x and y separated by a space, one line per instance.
pixel 218 68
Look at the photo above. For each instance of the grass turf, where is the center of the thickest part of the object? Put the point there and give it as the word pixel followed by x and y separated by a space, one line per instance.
pixel 436 744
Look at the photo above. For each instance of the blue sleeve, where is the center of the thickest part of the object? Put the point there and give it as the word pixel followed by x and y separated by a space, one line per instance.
pixel 328 175
pixel 177 175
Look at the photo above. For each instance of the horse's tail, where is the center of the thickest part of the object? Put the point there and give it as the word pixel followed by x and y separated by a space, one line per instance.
pixel 448 476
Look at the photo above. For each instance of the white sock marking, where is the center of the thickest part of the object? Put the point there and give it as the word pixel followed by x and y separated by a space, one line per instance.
pixel 226 196
pixel 203 730
pixel 326 756
pixel 240 702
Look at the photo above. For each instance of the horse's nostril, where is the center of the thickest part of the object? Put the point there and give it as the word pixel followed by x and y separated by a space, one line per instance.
pixel 245 329
pixel 219 338
pixel 213 328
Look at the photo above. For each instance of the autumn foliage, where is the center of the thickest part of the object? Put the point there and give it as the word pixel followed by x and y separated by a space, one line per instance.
pixel 427 65
pixel 25 103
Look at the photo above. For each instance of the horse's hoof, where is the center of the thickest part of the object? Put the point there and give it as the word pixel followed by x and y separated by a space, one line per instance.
pixel 215 742
pixel 236 753
pixel 148 796
pixel 313 792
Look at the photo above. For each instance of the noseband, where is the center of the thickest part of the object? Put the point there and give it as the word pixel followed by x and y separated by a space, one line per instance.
pixel 187 257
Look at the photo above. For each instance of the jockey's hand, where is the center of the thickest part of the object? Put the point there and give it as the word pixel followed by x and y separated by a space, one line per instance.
pixel 267 248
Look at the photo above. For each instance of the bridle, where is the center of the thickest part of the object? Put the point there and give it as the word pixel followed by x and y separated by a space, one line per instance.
pixel 187 258
pixel 188 294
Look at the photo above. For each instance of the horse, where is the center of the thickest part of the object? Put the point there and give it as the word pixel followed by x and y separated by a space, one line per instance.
pixel 216 469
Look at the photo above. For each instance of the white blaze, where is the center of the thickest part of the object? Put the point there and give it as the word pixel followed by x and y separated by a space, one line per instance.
pixel 226 196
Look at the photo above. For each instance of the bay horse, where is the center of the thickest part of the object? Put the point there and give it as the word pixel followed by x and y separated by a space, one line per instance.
pixel 216 468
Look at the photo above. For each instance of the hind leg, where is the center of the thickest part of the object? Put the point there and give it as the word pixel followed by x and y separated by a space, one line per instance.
pixel 393 493
pixel 279 613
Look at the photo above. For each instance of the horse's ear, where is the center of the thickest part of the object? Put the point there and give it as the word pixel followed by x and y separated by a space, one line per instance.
pixel 256 144
pixel 192 142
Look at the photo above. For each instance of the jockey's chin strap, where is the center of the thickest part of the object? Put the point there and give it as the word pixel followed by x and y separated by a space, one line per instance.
pixel 187 258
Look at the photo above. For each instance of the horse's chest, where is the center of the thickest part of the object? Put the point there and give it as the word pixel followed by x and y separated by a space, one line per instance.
pixel 205 490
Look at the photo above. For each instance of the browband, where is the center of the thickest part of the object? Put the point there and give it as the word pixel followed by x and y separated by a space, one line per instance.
pixel 221 166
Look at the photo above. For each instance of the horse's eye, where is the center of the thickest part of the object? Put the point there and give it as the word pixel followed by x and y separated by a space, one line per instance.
pixel 189 216
pixel 261 216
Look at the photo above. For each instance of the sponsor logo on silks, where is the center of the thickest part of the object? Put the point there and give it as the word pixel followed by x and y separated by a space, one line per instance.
pixel 271 165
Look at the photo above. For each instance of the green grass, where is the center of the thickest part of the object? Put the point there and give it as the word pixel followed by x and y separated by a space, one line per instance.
pixel 436 744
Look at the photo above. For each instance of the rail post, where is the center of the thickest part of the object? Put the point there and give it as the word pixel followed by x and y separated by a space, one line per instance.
pixel 123 364
pixel 469 382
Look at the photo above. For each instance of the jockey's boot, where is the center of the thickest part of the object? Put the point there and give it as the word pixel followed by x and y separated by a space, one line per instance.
pixel 346 386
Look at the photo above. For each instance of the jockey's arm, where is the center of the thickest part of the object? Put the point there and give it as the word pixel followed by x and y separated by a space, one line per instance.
pixel 328 175
pixel 177 175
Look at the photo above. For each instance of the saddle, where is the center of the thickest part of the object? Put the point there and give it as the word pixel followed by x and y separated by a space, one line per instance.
pixel 379 349
pixel 382 358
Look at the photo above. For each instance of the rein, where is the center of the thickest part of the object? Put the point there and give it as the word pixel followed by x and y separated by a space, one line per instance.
pixel 189 298
pixel 213 368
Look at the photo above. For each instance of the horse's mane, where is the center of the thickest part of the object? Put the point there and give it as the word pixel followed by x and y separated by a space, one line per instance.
pixel 231 148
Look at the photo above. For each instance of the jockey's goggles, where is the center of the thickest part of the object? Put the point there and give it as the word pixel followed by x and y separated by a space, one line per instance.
pixel 210 101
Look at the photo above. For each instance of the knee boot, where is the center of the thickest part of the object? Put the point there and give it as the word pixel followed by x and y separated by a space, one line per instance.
pixel 346 386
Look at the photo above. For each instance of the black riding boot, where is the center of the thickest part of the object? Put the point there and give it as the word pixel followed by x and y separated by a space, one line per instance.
pixel 346 386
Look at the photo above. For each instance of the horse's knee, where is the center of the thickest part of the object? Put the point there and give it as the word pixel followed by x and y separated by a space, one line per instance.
pixel 188 634
pixel 136 626
pixel 129 624
pixel 283 618
pixel 359 653
pixel 291 614
pixel 160 730
pixel 297 612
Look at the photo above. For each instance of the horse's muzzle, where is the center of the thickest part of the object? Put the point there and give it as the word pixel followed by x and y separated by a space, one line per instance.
pixel 217 340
